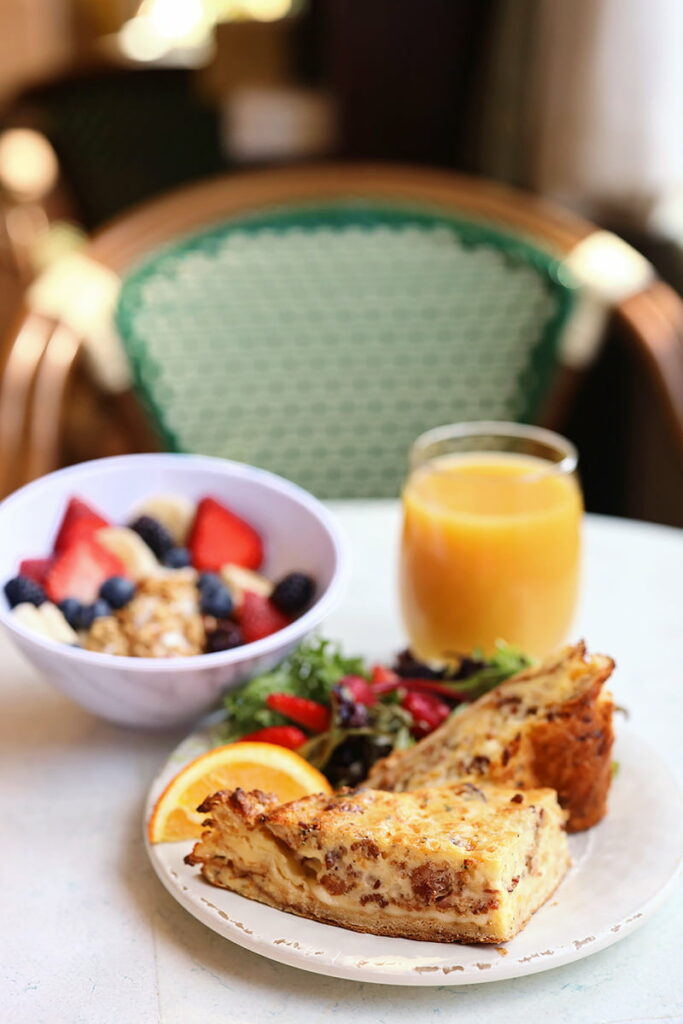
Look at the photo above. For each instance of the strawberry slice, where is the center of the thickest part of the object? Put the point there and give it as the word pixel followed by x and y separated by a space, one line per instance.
pixel 81 570
pixel 219 537
pixel 382 676
pixel 301 710
pixel 259 617
pixel 80 522
pixel 35 568
pixel 360 690
pixel 281 735
pixel 427 710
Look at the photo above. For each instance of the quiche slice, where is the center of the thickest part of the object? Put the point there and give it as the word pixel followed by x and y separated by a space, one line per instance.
pixel 550 725
pixel 461 863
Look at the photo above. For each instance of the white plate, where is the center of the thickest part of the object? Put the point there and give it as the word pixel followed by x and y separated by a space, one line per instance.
pixel 620 874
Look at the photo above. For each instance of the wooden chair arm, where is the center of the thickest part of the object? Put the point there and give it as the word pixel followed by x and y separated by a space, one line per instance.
pixel 133 234
pixel 654 324
pixel 45 419
pixel 25 351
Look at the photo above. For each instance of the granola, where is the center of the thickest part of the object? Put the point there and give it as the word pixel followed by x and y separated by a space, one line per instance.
pixel 163 620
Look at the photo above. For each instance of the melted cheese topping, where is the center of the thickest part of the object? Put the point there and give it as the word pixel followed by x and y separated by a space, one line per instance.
pixel 460 862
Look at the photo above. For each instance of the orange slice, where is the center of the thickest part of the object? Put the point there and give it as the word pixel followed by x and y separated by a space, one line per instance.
pixel 249 765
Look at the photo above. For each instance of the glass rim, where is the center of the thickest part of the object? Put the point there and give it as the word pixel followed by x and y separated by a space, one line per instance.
pixel 500 428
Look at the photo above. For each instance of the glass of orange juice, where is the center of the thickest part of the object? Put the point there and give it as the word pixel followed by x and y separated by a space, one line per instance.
pixel 490 547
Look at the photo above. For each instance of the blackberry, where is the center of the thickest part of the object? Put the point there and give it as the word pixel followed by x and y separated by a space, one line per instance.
pixel 293 593
pixel 224 638
pixel 22 590
pixel 154 534
pixel 177 558
pixel 117 591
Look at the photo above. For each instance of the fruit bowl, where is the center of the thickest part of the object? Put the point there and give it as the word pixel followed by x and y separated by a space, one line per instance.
pixel 298 532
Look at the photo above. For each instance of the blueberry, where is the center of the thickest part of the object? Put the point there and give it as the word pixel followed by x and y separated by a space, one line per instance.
pixel 216 600
pixel 72 610
pixel 177 558
pixel 117 591
pixel 100 608
pixel 293 593
pixel 154 534
pixel 90 612
pixel 86 617
pixel 22 590
pixel 209 581
pixel 227 636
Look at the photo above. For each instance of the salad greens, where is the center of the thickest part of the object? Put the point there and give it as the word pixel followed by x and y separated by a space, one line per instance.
pixel 388 712
pixel 489 672
pixel 310 671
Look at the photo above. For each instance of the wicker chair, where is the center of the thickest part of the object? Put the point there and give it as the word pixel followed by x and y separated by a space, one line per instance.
pixel 314 320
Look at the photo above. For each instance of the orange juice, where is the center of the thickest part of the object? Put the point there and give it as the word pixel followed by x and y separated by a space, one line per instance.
pixel 490 551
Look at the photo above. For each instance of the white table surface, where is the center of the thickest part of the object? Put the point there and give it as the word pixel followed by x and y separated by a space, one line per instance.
pixel 88 935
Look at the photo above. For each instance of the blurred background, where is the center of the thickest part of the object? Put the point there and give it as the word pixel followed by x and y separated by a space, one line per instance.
pixel 212 212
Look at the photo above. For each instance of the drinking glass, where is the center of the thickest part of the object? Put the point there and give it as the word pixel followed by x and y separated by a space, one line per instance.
pixel 491 540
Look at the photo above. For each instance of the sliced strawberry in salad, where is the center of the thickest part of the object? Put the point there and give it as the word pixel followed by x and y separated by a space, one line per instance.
pixel 380 675
pixel 281 735
pixel 313 716
pixel 427 710
pixel 359 689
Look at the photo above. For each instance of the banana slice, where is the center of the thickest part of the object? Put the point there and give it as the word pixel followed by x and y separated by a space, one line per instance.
pixel 238 579
pixel 57 626
pixel 173 511
pixel 125 543
pixel 47 620
pixel 29 616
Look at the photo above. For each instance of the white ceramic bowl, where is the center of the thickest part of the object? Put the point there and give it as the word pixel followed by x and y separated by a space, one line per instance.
pixel 299 534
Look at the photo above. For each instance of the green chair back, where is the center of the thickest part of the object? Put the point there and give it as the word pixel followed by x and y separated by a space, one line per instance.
pixel 319 341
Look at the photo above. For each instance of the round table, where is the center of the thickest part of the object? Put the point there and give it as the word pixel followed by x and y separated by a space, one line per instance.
pixel 89 935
